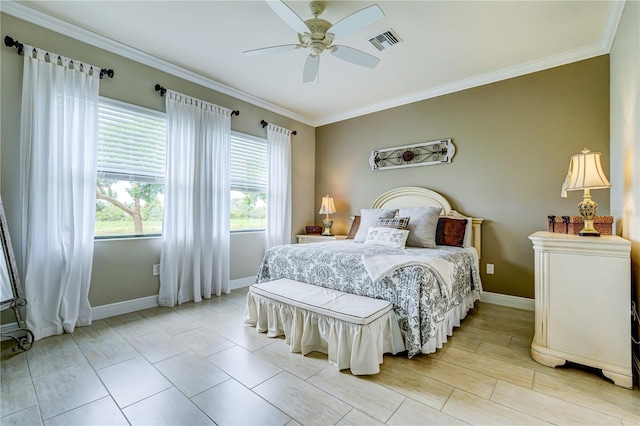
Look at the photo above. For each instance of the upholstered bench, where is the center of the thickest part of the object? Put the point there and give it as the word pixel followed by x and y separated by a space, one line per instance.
pixel 354 331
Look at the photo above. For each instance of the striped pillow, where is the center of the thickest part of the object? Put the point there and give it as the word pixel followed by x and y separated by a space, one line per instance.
pixel 394 222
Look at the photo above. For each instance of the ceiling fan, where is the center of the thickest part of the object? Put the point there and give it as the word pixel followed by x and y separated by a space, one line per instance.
pixel 318 35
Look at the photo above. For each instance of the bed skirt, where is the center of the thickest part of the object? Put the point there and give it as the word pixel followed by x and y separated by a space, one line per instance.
pixel 452 318
pixel 347 345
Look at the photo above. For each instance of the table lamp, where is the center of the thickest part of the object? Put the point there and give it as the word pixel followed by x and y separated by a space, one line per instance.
pixel 327 208
pixel 585 172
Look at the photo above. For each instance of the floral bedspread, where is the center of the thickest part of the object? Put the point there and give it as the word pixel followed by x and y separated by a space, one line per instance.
pixel 413 290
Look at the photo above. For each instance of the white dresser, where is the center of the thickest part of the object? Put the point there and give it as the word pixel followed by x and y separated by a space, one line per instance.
pixel 317 238
pixel 583 303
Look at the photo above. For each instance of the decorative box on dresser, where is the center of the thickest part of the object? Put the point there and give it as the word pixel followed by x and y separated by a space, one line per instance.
pixel 583 303
pixel 317 238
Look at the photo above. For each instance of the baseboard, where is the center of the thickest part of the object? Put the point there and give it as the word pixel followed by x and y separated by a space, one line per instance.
pixel 507 300
pixel 242 282
pixel 125 307
pixel 128 306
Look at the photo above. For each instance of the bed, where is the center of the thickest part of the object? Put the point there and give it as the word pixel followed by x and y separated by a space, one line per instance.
pixel 428 301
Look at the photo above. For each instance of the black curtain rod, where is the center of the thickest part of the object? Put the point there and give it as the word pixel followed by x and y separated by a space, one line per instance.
pixel 265 124
pixel 10 42
pixel 162 91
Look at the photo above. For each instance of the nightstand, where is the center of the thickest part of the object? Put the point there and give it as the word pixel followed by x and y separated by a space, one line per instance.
pixel 317 238
pixel 583 303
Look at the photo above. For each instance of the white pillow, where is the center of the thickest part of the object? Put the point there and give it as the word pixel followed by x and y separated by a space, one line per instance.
pixel 390 237
pixel 422 227
pixel 369 218
pixel 468 242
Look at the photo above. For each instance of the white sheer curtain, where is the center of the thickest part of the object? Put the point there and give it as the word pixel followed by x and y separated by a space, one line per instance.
pixel 195 231
pixel 58 140
pixel 279 186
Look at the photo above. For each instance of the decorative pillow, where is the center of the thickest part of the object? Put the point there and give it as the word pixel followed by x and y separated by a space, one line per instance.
pixel 369 218
pixel 394 222
pixel 422 225
pixel 390 237
pixel 468 242
pixel 450 232
pixel 355 224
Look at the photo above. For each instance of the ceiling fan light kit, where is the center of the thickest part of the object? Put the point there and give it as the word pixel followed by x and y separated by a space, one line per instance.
pixel 318 35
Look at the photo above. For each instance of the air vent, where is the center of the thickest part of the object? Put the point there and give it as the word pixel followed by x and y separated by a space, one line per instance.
pixel 386 39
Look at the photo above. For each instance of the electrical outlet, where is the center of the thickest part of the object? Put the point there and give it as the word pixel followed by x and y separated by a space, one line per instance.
pixel 490 268
pixel 156 269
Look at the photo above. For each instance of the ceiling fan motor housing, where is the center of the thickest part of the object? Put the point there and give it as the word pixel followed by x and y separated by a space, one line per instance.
pixel 318 40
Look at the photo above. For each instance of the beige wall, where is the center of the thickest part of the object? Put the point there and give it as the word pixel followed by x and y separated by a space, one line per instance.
pixel 513 140
pixel 122 269
pixel 625 137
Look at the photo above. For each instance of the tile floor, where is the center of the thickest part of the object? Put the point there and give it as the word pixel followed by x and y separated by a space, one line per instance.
pixel 198 364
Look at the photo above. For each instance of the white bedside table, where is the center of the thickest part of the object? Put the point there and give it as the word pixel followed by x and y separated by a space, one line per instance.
pixel 317 238
pixel 583 303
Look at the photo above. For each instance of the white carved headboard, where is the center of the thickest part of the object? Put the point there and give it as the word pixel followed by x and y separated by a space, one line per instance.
pixel 413 196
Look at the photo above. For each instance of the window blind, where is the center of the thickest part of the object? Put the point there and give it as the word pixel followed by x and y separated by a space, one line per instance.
pixel 248 163
pixel 131 142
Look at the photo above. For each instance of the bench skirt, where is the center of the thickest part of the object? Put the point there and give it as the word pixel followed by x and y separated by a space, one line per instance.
pixel 347 345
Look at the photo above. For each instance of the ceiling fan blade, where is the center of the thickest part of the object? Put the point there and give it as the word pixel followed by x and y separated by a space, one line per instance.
pixel 356 21
pixel 288 16
pixel 311 66
pixel 272 49
pixel 355 56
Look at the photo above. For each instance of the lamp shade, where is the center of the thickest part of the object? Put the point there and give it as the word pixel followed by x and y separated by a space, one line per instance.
pixel 327 205
pixel 585 172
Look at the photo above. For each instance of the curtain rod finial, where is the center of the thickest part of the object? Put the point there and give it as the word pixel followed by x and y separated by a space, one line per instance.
pixel 160 89
pixel 109 73
pixel 10 42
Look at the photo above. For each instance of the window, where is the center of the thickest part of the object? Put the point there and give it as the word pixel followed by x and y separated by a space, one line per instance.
pixel 131 167
pixel 248 182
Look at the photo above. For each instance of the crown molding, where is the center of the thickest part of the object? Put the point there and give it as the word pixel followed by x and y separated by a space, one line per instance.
pixel 481 80
pixel 614 15
pixel 616 8
pixel 36 17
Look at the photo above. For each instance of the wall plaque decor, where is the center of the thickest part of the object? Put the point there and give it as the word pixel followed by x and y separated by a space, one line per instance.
pixel 419 154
